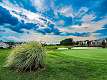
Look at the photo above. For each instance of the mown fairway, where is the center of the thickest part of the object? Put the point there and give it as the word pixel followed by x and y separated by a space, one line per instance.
pixel 89 64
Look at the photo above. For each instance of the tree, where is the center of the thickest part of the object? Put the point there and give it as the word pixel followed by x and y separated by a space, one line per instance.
pixel 67 42
pixel 104 43
pixel 88 43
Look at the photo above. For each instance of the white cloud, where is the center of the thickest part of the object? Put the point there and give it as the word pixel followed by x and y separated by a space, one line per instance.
pixel 30 31
pixel 67 11
pixel 27 16
pixel 39 5
pixel 14 38
pixel 41 38
pixel 81 11
pixel 86 27
pixel 10 38
pixel 60 22
pixel 87 18
pixel 6 30
pixel 90 27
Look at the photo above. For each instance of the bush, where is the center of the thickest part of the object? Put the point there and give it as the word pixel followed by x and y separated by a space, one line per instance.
pixel 27 57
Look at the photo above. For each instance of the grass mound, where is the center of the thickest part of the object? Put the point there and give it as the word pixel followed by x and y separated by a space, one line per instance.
pixel 26 57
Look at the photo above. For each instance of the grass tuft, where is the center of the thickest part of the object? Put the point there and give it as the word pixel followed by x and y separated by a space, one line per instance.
pixel 26 57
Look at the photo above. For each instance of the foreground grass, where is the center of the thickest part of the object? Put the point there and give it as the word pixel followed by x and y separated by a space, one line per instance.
pixel 63 65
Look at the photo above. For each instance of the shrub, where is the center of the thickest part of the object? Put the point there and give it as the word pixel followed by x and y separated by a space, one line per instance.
pixel 27 57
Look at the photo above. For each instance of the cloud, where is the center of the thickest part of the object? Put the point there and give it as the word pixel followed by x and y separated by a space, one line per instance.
pixel 67 11
pixel 52 18
pixel 81 12
pixel 39 5
pixel 25 15
pixel 5 30
pixel 13 38
pixel 41 38
pixel 86 27
pixel 90 27
pixel 87 18
pixel 26 19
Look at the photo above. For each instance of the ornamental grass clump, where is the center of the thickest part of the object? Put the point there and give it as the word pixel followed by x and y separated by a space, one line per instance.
pixel 27 57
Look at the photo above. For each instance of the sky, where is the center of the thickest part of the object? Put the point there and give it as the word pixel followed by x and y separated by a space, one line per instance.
pixel 52 20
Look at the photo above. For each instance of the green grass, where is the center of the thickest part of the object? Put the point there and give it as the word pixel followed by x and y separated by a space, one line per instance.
pixel 63 65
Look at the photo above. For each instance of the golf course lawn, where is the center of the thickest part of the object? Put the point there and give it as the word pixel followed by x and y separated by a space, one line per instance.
pixel 86 64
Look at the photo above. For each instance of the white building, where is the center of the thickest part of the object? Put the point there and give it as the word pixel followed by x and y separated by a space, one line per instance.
pixel 3 45
pixel 51 43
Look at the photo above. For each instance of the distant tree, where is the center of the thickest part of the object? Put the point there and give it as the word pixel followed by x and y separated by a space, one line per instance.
pixel 76 43
pixel 106 39
pixel 67 42
pixel 104 43
pixel 88 43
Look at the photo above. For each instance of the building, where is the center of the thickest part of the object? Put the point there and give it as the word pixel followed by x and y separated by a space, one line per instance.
pixel 4 45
